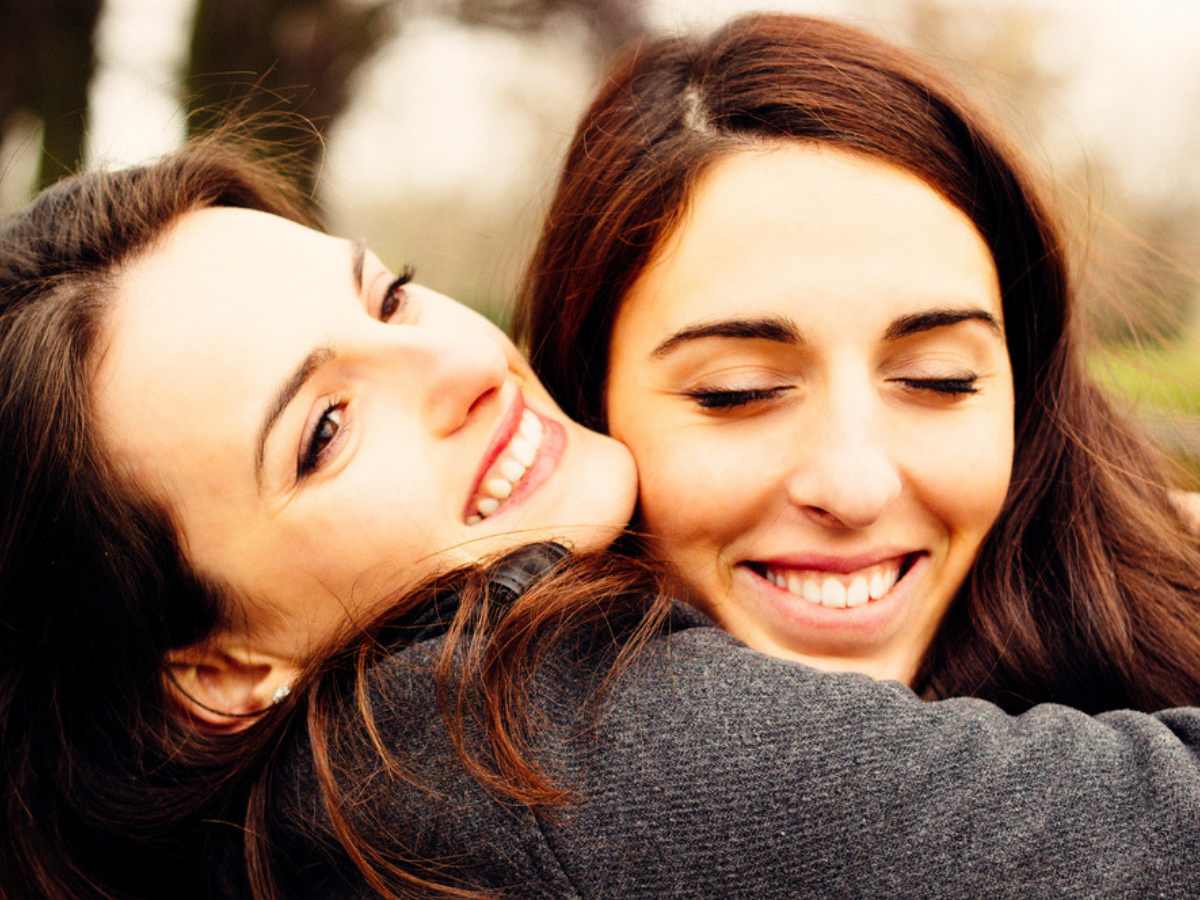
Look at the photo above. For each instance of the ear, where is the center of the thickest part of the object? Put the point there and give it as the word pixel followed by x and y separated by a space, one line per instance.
pixel 224 688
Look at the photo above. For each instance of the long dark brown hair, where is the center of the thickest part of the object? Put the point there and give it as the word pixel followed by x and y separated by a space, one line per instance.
pixel 1086 590
pixel 107 791
pixel 93 587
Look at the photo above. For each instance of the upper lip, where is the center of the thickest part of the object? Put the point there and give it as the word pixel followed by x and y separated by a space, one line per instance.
pixel 506 427
pixel 835 564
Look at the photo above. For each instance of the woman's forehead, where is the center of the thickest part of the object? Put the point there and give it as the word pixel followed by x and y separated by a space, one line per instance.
pixel 803 224
pixel 202 328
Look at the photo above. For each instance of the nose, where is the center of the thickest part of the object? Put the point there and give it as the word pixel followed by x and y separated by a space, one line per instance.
pixel 450 372
pixel 845 475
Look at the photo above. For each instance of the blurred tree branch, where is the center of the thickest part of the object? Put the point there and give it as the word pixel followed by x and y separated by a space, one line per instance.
pixel 610 23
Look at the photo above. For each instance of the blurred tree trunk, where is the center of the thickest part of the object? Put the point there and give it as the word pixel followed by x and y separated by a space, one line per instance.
pixel 47 57
pixel 274 58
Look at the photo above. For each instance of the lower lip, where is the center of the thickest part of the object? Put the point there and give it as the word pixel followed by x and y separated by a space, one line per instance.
pixel 871 621
pixel 554 441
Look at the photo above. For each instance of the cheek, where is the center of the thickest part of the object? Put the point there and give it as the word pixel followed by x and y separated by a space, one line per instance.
pixel 696 488
pixel 966 476
pixel 372 534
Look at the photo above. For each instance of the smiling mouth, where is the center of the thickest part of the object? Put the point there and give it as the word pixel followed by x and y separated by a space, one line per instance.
pixel 506 473
pixel 835 590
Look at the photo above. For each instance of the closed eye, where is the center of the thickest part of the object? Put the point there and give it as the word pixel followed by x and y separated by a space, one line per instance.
pixel 950 387
pixel 718 399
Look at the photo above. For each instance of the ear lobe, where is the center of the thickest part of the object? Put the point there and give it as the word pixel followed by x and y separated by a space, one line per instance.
pixel 225 690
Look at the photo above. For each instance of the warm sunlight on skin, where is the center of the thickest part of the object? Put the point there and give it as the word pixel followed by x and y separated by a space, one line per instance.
pixel 813 378
pixel 326 433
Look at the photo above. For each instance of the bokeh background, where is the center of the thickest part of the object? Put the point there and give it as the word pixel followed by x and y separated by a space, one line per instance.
pixel 437 125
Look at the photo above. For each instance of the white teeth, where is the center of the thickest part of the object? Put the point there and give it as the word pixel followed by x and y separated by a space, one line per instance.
pixel 833 594
pixel 879 585
pixel 811 590
pixel 531 427
pixel 522 451
pixel 500 488
pixel 831 590
pixel 504 476
pixel 512 470
pixel 858 593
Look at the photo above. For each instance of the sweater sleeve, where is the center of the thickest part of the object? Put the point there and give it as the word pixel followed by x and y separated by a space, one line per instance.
pixel 712 772
pixel 715 772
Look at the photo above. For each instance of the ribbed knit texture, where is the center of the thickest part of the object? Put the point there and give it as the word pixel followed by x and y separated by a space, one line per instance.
pixel 717 773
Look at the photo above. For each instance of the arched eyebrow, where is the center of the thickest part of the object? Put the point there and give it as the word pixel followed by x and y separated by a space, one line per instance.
pixel 783 330
pixel 763 328
pixel 929 320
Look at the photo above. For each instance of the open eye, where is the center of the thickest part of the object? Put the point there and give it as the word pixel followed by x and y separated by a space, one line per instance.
pixel 395 296
pixel 322 435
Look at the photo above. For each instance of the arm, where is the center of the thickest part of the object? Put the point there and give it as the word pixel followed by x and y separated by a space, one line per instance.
pixel 763 779
pixel 716 772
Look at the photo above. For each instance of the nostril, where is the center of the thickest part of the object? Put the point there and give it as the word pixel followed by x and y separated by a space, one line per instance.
pixel 482 399
pixel 825 517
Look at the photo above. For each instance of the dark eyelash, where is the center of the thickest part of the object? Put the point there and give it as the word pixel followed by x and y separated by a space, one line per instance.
pixel 405 277
pixel 947 386
pixel 310 454
pixel 719 399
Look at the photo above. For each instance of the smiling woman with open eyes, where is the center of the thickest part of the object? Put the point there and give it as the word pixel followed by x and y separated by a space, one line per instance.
pixel 326 433
pixel 819 296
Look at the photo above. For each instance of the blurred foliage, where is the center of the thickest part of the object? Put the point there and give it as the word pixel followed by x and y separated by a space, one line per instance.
pixel 1136 259
pixel 610 23
pixel 47 56
pixel 272 60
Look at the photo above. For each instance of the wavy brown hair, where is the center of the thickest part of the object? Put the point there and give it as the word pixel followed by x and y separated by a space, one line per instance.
pixel 107 791
pixel 1086 590
pixel 98 785
pixel 602 604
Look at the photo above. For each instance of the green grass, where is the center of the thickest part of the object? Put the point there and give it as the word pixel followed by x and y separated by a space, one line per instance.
pixel 1161 379
pixel 1162 384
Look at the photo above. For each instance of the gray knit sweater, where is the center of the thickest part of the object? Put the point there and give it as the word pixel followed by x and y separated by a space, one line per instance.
pixel 715 772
